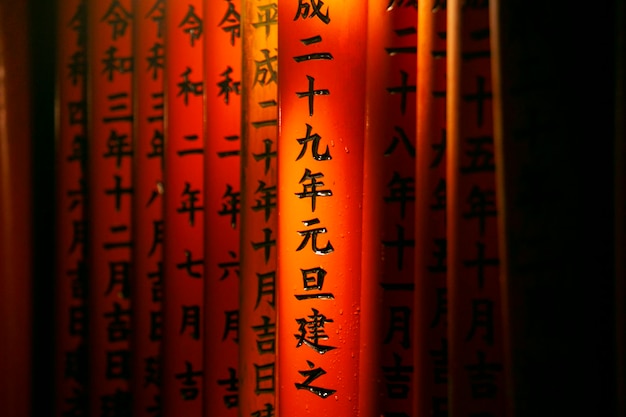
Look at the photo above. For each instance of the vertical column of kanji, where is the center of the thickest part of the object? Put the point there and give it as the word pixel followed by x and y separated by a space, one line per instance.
pixel 431 359
pixel 257 311
pixel 147 206
pixel 222 67
pixel 321 130
pixel 475 313
pixel 71 326
pixel 16 253
pixel 110 121
pixel 183 256
pixel 389 210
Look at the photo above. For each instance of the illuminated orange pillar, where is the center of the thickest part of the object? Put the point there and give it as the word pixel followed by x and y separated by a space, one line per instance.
pixel 387 278
pixel 148 225
pixel 431 364
pixel 222 69
pixel 15 211
pixel 321 131
pixel 110 116
pixel 476 363
pixel 183 212
pixel 259 223
pixel 70 360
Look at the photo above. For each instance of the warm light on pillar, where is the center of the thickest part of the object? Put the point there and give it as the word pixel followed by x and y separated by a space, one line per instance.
pixel 148 225
pixel 474 299
pixel 109 144
pixel 183 212
pixel 321 129
pixel 71 348
pixel 387 278
pixel 431 319
pixel 257 318
pixel 222 60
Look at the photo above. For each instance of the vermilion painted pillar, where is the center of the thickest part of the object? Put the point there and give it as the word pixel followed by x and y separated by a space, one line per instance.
pixel 15 211
pixel 476 362
pixel 147 279
pixel 222 69
pixel 71 289
pixel 431 358
pixel 110 121
pixel 387 279
pixel 183 259
pixel 257 310
pixel 321 129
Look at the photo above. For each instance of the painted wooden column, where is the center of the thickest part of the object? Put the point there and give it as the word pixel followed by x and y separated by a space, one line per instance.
pixel 71 287
pixel 431 358
pixel 475 328
pixel 183 212
pixel 109 144
pixel 15 211
pixel 320 174
pixel 259 227
pixel 148 225
pixel 387 278
pixel 222 202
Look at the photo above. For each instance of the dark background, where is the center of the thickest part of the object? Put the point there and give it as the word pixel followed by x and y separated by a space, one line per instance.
pixel 42 30
pixel 563 317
